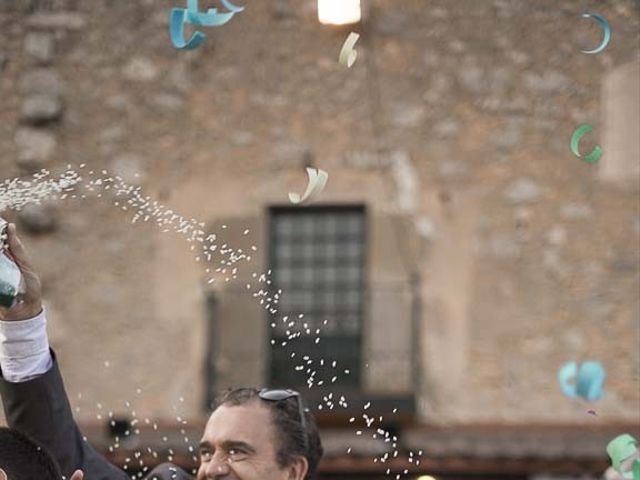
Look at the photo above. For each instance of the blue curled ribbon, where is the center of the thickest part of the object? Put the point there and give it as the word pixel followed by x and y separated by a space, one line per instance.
pixel 591 376
pixel 606 32
pixel 588 380
pixel 176 29
pixel 209 19
pixel 566 373
pixel 192 15
pixel 231 7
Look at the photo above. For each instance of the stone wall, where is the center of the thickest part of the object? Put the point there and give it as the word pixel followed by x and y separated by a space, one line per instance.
pixel 456 116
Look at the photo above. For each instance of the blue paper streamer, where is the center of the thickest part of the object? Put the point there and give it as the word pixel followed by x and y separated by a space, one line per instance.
pixel 231 7
pixel 606 29
pixel 591 376
pixel 565 375
pixel 585 381
pixel 176 27
pixel 209 19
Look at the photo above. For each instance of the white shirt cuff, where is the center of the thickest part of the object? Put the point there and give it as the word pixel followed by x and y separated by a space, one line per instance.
pixel 24 349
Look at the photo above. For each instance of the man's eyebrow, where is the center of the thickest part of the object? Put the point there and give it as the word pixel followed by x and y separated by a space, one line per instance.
pixel 238 444
pixel 228 444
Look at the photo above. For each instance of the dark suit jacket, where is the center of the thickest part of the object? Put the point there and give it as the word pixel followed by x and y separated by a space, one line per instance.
pixel 40 409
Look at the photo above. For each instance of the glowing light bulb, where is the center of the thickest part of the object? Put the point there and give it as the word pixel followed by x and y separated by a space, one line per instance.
pixel 339 12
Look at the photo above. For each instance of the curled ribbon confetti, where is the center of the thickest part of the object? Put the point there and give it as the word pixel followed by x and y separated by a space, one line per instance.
pixel 347 54
pixel 209 19
pixel 595 155
pixel 317 181
pixel 231 7
pixel 192 15
pixel 588 380
pixel 176 29
pixel 621 450
pixel 605 28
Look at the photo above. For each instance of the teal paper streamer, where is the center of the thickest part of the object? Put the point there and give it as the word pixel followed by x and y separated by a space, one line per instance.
pixel 209 19
pixel 605 28
pixel 176 29
pixel 590 381
pixel 585 380
pixel 566 373
pixel 231 7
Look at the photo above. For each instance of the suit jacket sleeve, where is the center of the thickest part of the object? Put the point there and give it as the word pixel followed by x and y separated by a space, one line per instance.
pixel 40 408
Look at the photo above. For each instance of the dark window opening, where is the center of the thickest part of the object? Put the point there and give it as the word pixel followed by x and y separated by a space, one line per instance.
pixel 317 258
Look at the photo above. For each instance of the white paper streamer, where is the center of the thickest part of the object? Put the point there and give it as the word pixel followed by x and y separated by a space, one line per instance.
pixel 348 55
pixel 317 181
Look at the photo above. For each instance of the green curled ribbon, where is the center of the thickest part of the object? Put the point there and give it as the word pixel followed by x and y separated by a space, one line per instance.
pixel 595 155
pixel 621 449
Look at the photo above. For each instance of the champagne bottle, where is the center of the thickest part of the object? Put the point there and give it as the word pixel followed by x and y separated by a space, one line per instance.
pixel 11 282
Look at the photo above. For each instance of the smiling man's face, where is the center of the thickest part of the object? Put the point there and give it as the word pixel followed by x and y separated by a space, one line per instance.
pixel 240 443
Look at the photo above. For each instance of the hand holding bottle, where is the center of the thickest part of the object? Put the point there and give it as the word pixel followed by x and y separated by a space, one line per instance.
pixel 29 303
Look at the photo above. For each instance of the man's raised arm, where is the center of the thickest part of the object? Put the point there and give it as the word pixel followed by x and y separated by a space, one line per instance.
pixel 31 387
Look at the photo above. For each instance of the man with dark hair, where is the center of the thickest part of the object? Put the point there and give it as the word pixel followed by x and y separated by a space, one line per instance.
pixel 251 434
pixel 23 459
pixel 234 442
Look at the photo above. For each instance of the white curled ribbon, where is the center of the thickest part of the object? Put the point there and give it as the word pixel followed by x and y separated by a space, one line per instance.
pixel 317 181
pixel 348 55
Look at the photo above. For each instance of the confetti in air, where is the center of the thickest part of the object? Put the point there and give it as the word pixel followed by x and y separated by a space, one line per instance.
pixel 16 193
pixel 348 54
pixel 192 14
pixel 595 154
pixel 624 454
pixel 317 181
pixel 585 380
pixel 231 7
pixel 606 32
pixel 211 18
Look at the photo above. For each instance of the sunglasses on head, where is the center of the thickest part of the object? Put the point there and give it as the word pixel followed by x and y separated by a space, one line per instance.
pixel 281 395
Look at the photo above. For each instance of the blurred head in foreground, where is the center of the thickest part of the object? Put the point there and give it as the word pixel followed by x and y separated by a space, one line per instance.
pixel 260 435
pixel 23 459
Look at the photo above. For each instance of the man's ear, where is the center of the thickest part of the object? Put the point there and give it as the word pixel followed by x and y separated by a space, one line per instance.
pixel 77 475
pixel 298 468
pixel 3 475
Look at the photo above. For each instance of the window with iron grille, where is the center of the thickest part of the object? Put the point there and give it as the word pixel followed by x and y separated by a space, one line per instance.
pixel 317 258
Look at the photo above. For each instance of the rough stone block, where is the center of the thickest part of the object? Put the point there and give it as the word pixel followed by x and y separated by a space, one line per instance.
pixel 57 21
pixel 41 81
pixel 35 148
pixel 40 46
pixel 522 190
pixel 41 108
